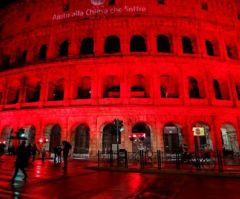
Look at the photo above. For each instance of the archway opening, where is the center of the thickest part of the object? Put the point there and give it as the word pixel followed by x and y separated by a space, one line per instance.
pixel 202 137
pixel 112 44
pixel 137 44
pixel 109 138
pixel 30 134
pixel 139 129
pixel 7 132
pixel 172 137
pixel 87 46
pixel 63 49
pixel 229 140
pixel 53 134
pixel 111 87
pixel 81 140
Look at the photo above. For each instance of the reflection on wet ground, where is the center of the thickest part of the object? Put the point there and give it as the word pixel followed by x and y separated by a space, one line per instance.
pixel 53 182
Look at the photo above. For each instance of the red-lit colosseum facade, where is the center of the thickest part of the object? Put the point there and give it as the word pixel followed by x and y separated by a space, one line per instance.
pixel 167 68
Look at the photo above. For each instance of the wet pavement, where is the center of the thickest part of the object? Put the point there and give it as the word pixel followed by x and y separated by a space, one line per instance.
pixel 46 181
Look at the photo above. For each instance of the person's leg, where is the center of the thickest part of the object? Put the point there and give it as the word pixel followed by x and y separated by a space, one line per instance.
pixel 55 159
pixel 65 157
pixel 24 172
pixel 15 173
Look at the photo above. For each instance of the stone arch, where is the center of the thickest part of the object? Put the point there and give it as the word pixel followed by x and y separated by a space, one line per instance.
pixel 63 48
pixel 210 48
pixel 172 137
pixel 229 139
pixel 6 134
pixel 193 88
pixel 30 134
pixel 142 135
pixel 112 44
pixel 221 89
pixel 84 88
pixel 163 43
pixel 13 92
pixel 87 46
pixel 111 87
pixel 109 138
pixel 139 88
pixel 56 90
pixel 187 45
pixel 53 134
pixel 138 44
pixel 32 89
pixel 169 87
pixel 202 136
pixel 42 55
pixel 80 140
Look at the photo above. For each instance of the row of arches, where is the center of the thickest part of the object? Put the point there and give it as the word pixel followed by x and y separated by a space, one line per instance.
pixel 169 87
pixel 112 44
pixel 174 137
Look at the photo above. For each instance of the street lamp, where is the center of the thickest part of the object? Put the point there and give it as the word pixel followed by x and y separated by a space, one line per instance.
pixel 43 140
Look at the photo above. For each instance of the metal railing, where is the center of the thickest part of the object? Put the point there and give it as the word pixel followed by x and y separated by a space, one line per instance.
pixel 213 161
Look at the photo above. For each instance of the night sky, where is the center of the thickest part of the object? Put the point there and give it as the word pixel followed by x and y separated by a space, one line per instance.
pixel 3 3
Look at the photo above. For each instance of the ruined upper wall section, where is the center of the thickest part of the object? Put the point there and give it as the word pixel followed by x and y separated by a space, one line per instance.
pixel 29 14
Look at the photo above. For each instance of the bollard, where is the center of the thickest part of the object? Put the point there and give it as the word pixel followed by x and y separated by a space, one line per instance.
pixel 177 161
pixel 118 161
pixel 111 158
pixel 220 161
pixel 141 159
pixel 159 162
pixel 126 159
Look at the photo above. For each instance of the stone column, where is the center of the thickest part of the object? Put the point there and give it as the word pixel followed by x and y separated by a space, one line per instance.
pixel 216 134
pixel 44 90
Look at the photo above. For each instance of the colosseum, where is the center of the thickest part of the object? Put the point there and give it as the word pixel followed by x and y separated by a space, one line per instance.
pixel 169 69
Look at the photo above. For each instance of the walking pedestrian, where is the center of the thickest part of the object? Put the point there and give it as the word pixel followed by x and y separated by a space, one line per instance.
pixel 66 148
pixel 34 152
pixel 21 161
pixel 2 146
pixel 59 154
pixel 29 152
pixel 43 154
pixel 55 151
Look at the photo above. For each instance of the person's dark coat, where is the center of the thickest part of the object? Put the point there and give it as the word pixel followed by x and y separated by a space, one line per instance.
pixel 22 156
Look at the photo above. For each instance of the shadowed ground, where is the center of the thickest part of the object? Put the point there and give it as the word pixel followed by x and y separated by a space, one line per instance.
pixel 47 181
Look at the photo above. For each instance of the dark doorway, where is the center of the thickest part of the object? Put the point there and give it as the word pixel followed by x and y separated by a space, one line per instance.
pixel 81 139
pixel 55 137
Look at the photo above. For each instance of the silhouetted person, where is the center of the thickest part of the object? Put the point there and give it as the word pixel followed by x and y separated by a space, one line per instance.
pixel 29 152
pixel 43 154
pixel 2 146
pixel 21 161
pixel 13 150
pixel 59 154
pixel 34 152
pixel 55 151
pixel 66 148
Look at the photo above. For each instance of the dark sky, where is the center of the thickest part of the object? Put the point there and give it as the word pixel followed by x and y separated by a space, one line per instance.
pixel 3 3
